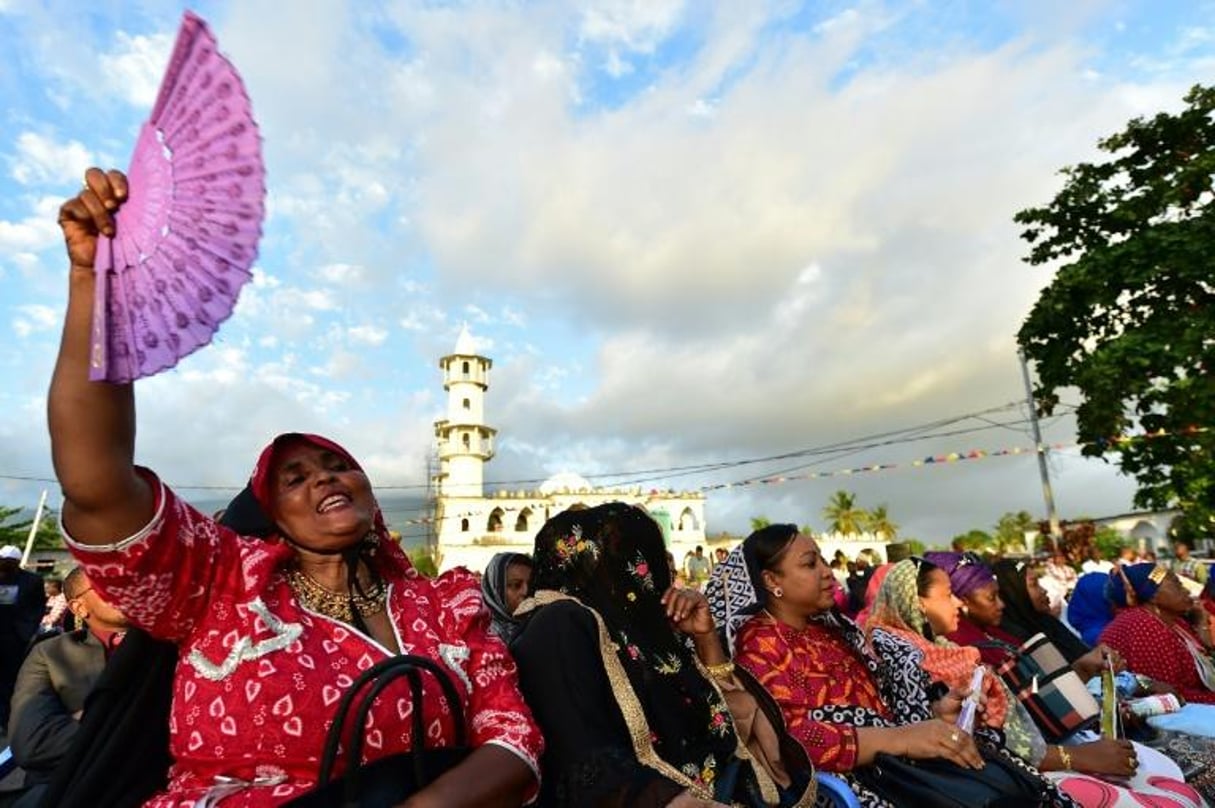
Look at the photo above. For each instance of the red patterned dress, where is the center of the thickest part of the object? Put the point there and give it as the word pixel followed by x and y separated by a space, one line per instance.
pixel 807 671
pixel 1165 653
pixel 259 675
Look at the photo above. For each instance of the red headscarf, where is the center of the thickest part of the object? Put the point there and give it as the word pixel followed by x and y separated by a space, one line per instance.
pixel 390 559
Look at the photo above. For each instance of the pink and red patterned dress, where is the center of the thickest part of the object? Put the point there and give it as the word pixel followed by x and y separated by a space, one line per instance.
pixel 259 676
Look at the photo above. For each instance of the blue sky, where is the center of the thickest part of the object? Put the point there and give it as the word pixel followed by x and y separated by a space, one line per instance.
pixel 685 232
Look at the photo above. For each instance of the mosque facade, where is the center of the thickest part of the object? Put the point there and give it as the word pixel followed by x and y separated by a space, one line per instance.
pixel 471 525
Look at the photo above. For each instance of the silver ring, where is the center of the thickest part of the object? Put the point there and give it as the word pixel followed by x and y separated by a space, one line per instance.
pixel 954 736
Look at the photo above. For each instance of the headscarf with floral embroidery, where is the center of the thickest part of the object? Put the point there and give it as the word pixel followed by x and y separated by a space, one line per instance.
pixel 612 558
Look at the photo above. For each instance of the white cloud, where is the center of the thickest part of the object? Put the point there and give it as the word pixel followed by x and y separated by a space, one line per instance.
pixel 341 273
pixel 421 317
pixel 36 232
pixel 33 318
pixel 39 160
pixel 637 25
pixel 616 66
pixel 367 334
pixel 291 298
pixel 133 69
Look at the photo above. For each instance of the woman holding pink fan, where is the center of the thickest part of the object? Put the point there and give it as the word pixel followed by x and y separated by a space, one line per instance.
pixel 270 632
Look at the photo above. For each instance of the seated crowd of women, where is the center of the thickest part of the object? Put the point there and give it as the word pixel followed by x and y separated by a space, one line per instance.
pixel 615 689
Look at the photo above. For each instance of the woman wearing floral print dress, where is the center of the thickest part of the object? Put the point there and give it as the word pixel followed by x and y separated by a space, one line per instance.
pixel 914 611
pixel 270 632
pixel 844 700
pixel 631 714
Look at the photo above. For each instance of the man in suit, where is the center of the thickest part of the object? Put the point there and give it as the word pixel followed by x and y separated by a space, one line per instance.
pixel 57 677
pixel 22 605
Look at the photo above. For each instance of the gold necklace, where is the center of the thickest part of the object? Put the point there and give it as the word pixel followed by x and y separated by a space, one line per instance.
pixel 332 604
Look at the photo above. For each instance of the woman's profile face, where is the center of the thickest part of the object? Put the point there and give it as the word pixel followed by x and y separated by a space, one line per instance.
pixel 939 604
pixel 319 499
pixel 984 605
pixel 1037 595
pixel 518 576
pixel 1172 598
pixel 803 576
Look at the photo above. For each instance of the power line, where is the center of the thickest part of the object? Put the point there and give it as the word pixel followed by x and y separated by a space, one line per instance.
pixel 829 451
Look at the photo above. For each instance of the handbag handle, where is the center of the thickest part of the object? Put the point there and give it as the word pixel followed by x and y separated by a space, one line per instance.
pixel 380 676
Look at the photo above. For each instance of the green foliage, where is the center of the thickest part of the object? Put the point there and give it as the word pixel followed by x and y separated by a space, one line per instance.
pixel 759 523
pixel 844 516
pixel 1010 531
pixel 424 562
pixel 1128 318
pixel 917 547
pixel 879 522
pixel 14 530
pixel 977 540
pixel 1109 542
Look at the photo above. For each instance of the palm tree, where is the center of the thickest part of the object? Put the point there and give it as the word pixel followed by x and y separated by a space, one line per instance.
pixel 880 524
pixel 843 516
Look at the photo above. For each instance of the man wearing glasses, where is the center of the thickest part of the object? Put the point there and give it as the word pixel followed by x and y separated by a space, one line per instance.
pixel 55 681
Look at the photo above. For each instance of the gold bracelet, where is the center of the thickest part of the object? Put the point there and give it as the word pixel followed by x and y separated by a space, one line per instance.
pixel 1065 757
pixel 721 671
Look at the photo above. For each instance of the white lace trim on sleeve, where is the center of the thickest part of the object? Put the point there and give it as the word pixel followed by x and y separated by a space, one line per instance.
pixel 123 544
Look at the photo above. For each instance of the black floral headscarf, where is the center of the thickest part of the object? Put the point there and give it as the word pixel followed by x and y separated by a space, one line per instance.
pixel 612 559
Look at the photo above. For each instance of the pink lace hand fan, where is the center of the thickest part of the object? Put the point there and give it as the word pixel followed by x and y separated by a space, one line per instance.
pixel 187 235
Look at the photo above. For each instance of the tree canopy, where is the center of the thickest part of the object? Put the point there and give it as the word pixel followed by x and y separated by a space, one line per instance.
pixel 1128 318
pixel 844 516
pixel 15 529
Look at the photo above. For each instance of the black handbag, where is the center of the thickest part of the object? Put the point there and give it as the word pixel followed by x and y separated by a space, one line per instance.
pixel 941 783
pixel 391 779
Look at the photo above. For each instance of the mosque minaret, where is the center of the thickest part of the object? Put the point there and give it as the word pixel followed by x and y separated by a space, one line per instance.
pixel 471 527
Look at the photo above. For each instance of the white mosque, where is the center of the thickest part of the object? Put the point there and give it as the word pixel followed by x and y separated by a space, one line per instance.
pixel 471 526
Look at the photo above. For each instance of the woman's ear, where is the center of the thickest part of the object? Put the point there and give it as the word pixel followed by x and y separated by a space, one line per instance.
pixel 771 580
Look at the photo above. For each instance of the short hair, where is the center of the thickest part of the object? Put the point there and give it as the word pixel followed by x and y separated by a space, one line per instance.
pixel 75 583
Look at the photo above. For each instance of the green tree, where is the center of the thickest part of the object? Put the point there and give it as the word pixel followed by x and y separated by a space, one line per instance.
pixel 843 516
pixel 879 522
pixel 1128 318
pixel 1011 529
pixel 1109 541
pixel 759 523
pixel 977 540
pixel 15 530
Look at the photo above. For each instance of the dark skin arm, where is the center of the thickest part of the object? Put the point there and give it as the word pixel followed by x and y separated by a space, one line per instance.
pixel 491 777
pixel 92 424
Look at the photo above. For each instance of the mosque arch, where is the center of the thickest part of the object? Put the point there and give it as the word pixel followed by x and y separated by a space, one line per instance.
pixel 494 525
pixel 688 521
pixel 521 524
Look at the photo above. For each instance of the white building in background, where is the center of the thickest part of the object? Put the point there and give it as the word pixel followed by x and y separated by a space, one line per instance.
pixel 471 527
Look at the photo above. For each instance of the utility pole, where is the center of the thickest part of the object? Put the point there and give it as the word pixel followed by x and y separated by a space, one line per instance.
pixel 29 542
pixel 1040 449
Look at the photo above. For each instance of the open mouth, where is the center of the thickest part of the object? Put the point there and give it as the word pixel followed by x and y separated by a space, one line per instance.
pixel 333 502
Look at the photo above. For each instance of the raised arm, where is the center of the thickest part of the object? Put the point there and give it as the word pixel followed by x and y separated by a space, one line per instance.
pixel 92 424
